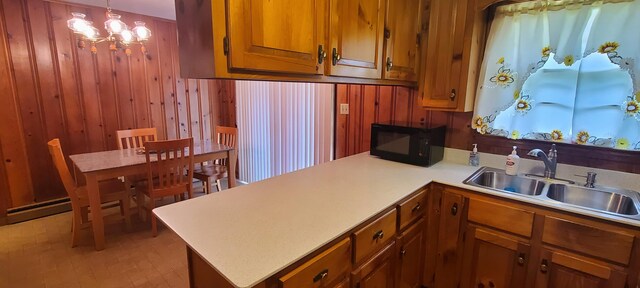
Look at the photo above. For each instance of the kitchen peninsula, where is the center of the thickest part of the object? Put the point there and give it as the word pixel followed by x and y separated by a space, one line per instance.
pixel 252 235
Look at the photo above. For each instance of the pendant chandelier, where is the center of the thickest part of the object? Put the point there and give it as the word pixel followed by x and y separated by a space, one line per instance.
pixel 120 36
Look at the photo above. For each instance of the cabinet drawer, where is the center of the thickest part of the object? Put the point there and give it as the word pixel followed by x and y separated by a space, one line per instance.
pixel 322 269
pixel 590 240
pixel 412 209
pixel 373 237
pixel 506 218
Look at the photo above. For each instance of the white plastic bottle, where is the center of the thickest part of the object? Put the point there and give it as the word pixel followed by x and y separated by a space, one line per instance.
pixel 513 162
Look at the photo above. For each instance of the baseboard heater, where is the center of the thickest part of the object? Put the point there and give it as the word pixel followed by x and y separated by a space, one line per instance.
pixel 37 210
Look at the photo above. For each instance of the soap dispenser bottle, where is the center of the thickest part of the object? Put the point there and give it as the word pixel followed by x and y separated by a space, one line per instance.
pixel 513 162
pixel 474 158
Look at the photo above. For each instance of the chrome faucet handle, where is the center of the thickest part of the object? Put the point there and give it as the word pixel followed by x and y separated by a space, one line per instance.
pixel 591 179
pixel 553 152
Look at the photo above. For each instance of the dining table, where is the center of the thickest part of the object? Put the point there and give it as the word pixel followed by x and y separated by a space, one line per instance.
pixel 104 165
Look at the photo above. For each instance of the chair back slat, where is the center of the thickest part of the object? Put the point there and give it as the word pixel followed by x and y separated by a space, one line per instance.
pixel 227 136
pixel 57 156
pixel 135 138
pixel 173 168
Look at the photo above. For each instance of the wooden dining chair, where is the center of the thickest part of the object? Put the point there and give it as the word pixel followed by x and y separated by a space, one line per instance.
pixel 170 175
pixel 135 138
pixel 110 191
pixel 217 170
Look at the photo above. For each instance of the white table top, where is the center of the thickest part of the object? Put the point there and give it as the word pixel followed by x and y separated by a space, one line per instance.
pixel 103 160
pixel 250 232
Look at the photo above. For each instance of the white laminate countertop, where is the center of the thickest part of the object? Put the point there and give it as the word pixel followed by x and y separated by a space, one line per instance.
pixel 250 232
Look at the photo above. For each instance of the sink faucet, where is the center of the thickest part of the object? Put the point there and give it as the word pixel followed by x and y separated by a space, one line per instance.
pixel 550 161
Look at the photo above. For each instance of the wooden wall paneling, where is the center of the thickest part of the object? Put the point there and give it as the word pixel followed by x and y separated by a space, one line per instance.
pixel 195 112
pixel 69 81
pixel 154 86
pixel 341 137
pixel 162 35
pixel 18 187
pixel 368 108
pixel 418 113
pixel 230 107
pixel 354 98
pixel 139 92
pixel 47 73
pixel 182 100
pixel 205 106
pixel 402 105
pixel 28 99
pixel 385 104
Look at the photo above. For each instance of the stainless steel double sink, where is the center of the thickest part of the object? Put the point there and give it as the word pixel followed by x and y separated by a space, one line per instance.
pixel 619 202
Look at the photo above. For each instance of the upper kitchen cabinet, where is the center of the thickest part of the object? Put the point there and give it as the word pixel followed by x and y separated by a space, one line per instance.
pixel 275 36
pixel 455 41
pixel 356 38
pixel 402 35
pixel 336 41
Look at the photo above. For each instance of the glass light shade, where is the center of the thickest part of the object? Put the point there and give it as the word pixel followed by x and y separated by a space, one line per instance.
pixel 78 24
pixel 127 35
pixel 114 25
pixel 91 33
pixel 141 31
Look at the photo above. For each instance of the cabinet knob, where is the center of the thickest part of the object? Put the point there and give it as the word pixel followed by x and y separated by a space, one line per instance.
pixel 323 274
pixel 416 208
pixel 521 259
pixel 454 209
pixel 387 33
pixel 403 252
pixel 544 266
pixel 453 94
pixel 322 54
pixel 335 57
pixel 389 64
pixel 378 235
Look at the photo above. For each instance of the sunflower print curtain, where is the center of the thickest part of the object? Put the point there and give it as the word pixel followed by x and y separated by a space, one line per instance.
pixel 562 75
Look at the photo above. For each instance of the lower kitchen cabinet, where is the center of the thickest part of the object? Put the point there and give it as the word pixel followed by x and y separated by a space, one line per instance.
pixel 559 269
pixel 343 284
pixel 411 256
pixel 492 259
pixel 378 271
pixel 448 262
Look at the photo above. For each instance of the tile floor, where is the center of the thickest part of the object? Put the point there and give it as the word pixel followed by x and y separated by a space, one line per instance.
pixel 38 253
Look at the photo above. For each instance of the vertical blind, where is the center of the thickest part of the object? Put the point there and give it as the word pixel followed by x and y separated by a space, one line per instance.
pixel 282 127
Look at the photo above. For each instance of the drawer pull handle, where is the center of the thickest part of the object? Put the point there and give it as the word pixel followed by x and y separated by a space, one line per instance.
pixel 378 235
pixel 544 266
pixel 403 252
pixel 323 274
pixel 454 209
pixel 416 208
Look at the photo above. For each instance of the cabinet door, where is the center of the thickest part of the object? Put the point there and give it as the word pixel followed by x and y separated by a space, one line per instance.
pixel 343 284
pixel 493 260
pixel 402 40
pixel 377 272
pixel 275 35
pixel 560 269
pixel 410 256
pixel 453 47
pixel 449 262
pixel 356 38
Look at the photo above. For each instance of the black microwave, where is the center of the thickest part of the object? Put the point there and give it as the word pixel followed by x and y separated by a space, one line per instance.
pixel 410 143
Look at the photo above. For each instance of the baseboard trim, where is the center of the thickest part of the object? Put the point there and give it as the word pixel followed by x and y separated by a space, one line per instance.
pixel 38 210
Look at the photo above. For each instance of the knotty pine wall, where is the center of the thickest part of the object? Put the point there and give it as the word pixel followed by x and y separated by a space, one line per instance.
pixel 52 89
pixel 372 104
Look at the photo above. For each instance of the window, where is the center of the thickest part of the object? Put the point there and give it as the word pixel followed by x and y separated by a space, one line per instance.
pixel 563 73
pixel 282 127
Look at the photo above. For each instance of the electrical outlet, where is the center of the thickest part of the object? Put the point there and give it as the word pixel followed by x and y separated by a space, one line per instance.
pixel 344 109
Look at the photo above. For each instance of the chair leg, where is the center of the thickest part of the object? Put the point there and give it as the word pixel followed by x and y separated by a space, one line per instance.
pixel 125 205
pixel 76 221
pixel 140 201
pixel 205 187
pixel 154 223
pixel 219 185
